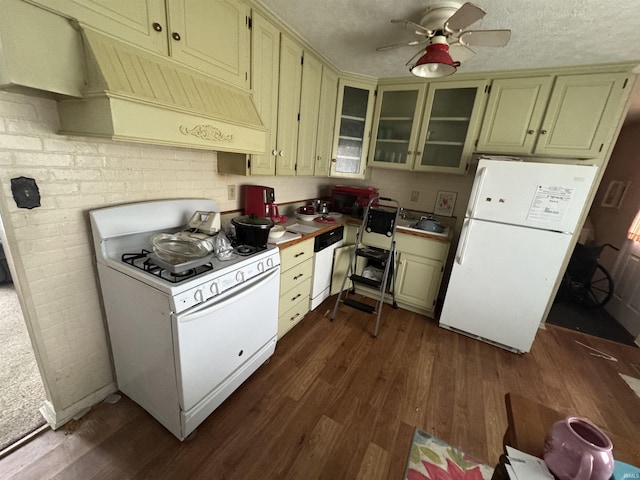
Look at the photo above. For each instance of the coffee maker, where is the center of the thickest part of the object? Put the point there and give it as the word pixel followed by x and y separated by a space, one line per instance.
pixel 260 201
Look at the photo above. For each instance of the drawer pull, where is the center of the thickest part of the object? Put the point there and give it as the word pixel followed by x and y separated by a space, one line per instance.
pixel 298 254
pixel 297 296
pixel 298 276
pixel 294 317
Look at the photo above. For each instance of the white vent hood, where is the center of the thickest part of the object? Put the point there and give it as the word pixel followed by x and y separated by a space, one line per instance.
pixel 136 95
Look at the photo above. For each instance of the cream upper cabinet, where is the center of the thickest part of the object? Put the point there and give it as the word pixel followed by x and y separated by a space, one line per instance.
pixel 569 116
pixel 308 124
pixel 143 22
pixel 212 36
pixel 209 35
pixel 326 120
pixel 288 106
pixel 265 70
pixel 352 129
pixel 396 125
pixel 451 120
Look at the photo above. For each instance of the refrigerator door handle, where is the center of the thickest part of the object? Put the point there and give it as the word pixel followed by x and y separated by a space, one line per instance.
pixel 464 236
pixel 475 191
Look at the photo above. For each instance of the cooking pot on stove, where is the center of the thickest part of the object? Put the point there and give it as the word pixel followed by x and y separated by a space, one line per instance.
pixel 252 230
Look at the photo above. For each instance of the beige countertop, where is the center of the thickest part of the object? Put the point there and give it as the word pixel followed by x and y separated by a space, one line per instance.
pixel 348 220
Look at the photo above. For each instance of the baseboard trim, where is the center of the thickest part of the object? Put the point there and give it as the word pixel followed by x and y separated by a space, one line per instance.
pixel 57 418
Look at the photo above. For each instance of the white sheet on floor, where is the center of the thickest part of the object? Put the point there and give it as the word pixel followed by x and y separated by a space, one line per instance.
pixel 634 383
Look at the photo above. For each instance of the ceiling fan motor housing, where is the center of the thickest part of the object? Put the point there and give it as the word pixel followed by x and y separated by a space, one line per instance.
pixel 436 15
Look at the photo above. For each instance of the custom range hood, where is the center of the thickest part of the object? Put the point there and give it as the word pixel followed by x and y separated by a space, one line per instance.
pixel 140 96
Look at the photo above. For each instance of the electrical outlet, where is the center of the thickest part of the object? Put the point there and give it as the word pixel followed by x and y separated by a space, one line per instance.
pixel 231 192
pixel 415 194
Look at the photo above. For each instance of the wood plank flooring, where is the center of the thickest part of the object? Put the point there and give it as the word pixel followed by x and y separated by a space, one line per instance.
pixel 335 403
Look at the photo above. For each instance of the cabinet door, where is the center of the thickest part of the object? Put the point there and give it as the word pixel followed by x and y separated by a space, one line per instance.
pixel 212 36
pixel 288 105
pixel 513 116
pixel 352 129
pixel 326 119
pixel 451 119
pixel 265 63
pixel 396 124
pixel 308 124
pixel 418 280
pixel 580 115
pixel 142 22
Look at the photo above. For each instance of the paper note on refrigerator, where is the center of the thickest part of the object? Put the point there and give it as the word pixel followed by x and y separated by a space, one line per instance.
pixel 550 204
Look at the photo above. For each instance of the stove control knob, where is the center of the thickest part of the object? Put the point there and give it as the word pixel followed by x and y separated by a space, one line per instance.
pixel 240 276
pixel 270 262
pixel 199 296
pixel 214 289
pixel 260 267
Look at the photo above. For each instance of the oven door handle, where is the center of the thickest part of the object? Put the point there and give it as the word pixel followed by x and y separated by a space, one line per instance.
pixel 235 294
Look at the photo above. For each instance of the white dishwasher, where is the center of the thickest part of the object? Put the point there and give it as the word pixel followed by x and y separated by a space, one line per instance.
pixel 324 246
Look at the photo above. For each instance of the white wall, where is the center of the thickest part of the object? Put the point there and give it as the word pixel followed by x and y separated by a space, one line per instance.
pixel 50 246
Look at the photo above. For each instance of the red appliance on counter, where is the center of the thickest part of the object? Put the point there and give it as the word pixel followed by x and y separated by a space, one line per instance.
pixel 260 201
pixel 351 200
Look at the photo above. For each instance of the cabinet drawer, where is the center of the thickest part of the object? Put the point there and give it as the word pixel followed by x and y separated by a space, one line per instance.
pixel 423 247
pixel 291 317
pixel 295 275
pixel 291 297
pixel 296 254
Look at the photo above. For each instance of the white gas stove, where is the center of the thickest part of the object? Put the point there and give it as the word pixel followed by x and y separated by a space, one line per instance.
pixel 204 329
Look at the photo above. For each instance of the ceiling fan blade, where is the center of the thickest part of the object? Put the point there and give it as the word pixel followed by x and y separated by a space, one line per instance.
pixel 485 38
pixel 398 45
pixel 466 15
pixel 460 53
pixel 419 29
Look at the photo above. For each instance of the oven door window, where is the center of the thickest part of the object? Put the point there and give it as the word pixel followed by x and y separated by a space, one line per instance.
pixel 217 337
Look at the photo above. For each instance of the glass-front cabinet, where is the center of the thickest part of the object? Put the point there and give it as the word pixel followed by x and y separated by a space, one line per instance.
pixel 353 127
pixel 396 125
pixel 452 115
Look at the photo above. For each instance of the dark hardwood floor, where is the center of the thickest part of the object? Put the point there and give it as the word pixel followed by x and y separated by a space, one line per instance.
pixel 335 403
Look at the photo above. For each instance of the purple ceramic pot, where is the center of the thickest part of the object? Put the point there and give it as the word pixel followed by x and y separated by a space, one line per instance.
pixel 575 449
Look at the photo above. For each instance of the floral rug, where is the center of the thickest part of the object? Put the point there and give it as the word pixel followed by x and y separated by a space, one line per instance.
pixel 433 459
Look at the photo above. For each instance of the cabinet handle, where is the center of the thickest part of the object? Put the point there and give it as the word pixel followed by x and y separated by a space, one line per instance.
pixel 298 276
pixel 294 317
pixel 175 36
pixel 298 254
pixel 530 132
pixel 543 132
pixel 333 160
pixel 274 152
pixel 409 152
pixel 418 153
pixel 319 158
pixel 281 153
pixel 297 296
pixel 157 27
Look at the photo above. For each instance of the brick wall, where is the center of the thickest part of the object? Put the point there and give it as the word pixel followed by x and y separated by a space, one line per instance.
pixel 51 245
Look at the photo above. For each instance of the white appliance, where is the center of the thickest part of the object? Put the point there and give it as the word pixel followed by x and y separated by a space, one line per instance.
pixel 516 234
pixel 324 246
pixel 182 341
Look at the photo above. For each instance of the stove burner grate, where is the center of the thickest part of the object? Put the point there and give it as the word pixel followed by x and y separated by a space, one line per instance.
pixel 245 250
pixel 142 261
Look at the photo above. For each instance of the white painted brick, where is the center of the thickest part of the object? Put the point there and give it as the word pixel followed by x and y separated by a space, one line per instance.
pixel 83 201
pixel 90 161
pixel 61 144
pixel 6 158
pixel 60 188
pixel 24 127
pixel 151 151
pixel 39 174
pixel 116 149
pixel 101 187
pixel 11 109
pixel 20 142
pixel 43 159
pixel 68 174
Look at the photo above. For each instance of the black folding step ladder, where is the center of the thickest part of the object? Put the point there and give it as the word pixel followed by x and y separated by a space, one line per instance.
pixel 372 262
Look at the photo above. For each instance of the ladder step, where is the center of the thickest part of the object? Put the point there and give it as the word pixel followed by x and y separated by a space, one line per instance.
pixel 366 281
pixel 359 305
pixel 373 252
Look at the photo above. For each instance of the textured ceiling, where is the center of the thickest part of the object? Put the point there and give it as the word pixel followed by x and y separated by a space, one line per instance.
pixel 545 33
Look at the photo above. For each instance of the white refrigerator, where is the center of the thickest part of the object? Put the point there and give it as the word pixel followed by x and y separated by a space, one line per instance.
pixel 516 233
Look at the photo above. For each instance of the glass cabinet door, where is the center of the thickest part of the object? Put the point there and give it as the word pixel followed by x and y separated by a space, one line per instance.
pixel 353 124
pixel 398 112
pixel 452 115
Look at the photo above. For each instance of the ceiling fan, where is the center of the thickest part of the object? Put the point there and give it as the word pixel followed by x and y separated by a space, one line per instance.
pixel 442 28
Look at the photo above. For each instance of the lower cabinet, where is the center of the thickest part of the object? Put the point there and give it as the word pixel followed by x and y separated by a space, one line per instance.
pixel 296 269
pixel 419 268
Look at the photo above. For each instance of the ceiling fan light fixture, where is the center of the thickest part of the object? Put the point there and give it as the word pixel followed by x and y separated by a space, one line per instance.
pixel 436 62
